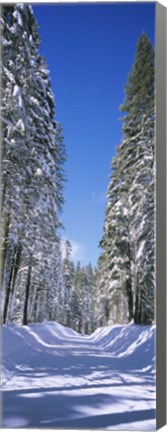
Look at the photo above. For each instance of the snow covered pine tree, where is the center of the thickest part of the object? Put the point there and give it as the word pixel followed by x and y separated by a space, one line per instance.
pixel 32 174
pixel 129 240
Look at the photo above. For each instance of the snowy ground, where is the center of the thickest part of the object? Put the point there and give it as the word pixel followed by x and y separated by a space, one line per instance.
pixel 54 377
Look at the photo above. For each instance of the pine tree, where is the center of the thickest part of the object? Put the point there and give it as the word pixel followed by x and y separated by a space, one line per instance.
pixel 14 149
pixel 32 173
pixel 78 290
pixel 128 240
pixel 90 291
pixel 139 130
pixel 84 286
pixel 139 100
pixel 101 297
pixel 68 278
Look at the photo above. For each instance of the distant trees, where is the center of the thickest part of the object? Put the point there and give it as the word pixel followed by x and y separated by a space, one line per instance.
pixel 84 283
pixel 126 270
pixel 79 284
pixel 68 278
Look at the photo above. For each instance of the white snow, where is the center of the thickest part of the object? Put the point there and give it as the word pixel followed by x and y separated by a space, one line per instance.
pixel 16 91
pixel 20 125
pixel 9 75
pixel 14 28
pixel 140 250
pixel 32 98
pixel 17 94
pixel 18 17
pixel 54 377
pixel 39 172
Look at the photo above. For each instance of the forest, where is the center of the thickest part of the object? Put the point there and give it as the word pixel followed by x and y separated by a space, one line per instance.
pixel 38 282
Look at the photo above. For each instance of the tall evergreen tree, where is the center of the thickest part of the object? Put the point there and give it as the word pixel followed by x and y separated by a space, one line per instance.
pixel 128 240
pixel 32 172
pixel 68 278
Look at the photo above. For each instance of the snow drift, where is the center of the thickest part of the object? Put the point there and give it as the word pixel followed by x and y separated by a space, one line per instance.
pixel 55 377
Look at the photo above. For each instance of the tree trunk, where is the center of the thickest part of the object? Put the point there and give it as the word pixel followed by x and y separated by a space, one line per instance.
pixel 79 326
pixel 25 311
pixel 13 282
pixel 5 312
pixel 130 300
pixel 129 284
pixel 137 315
pixel 34 313
pixel 4 246
pixel 12 279
pixel 4 187
pixel 86 331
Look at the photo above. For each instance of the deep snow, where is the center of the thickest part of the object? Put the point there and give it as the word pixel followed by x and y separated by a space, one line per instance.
pixel 54 377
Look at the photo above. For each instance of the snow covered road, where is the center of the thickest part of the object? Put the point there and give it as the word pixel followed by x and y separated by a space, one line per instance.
pixel 54 377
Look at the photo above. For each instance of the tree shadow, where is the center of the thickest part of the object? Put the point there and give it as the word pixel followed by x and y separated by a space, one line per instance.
pixel 94 380
pixel 43 408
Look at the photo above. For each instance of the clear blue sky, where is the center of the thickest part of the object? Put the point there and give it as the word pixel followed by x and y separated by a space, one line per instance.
pixel 89 50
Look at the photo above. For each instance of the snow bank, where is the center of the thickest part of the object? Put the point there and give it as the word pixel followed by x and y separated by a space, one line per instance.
pixel 20 342
pixel 134 344
pixel 55 377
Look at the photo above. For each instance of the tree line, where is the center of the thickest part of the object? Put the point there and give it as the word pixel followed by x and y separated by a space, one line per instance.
pixel 37 282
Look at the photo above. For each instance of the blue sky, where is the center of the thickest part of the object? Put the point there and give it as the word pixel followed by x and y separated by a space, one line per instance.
pixel 89 49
